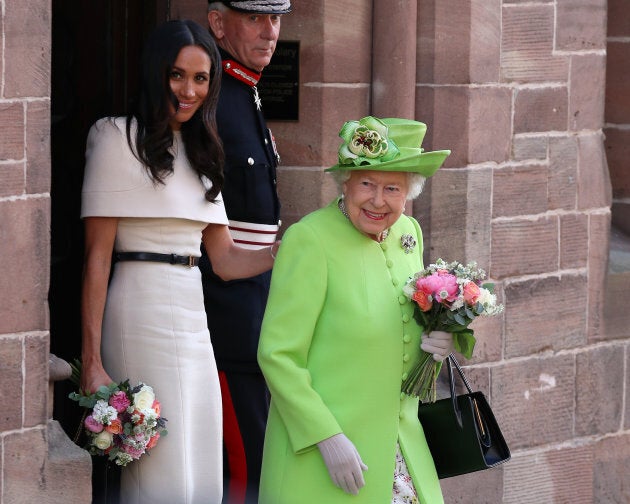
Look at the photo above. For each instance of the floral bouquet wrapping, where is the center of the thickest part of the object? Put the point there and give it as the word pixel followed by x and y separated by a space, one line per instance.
pixel 448 297
pixel 121 422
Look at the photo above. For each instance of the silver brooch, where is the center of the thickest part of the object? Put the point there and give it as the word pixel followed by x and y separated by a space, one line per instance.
pixel 408 243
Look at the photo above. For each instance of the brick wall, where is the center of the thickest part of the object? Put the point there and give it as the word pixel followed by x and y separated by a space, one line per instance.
pixel 29 440
pixel 517 90
pixel 24 247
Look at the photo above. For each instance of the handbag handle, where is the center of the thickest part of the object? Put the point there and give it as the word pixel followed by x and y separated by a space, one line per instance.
pixel 450 362
pixel 483 430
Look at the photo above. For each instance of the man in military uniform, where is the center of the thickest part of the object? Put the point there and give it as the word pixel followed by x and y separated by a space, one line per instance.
pixel 246 33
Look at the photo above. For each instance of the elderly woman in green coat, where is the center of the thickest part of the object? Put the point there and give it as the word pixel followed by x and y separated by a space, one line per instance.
pixel 339 337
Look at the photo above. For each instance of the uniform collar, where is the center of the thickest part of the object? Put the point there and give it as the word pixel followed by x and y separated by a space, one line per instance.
pixel 240 72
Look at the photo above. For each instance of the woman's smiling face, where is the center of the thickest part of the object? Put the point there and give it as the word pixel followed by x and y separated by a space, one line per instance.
pixel 374 200
pixel 190 82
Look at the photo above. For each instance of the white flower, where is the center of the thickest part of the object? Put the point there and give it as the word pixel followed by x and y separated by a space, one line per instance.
pixel 150 419
pixel 103 440
pixel 122 458
pixel 143 400
pixel 457 304
pixel 409 288
pixel 489 302
pixel 104 413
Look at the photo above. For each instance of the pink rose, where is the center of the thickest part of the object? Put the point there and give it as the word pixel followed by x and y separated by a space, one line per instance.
pixel 442 286
pixel 92 424
pixel 471 293
pixel 427 284
pixel 119 401
pixel 131 450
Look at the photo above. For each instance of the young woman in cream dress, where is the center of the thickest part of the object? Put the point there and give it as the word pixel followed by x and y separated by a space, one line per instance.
pixel 151 196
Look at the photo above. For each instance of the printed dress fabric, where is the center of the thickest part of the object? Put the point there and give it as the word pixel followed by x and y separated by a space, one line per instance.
pixel 404 491
pixel 155 327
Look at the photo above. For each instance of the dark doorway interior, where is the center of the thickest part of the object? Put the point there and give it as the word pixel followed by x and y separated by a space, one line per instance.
pixel 96 48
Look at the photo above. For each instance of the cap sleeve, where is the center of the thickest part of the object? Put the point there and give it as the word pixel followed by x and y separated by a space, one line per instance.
pixel 116 184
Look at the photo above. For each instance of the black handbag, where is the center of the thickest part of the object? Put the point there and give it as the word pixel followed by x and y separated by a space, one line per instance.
pixel 461 431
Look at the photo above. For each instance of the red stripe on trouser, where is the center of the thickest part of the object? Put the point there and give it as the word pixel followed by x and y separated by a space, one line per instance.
pixel 237 461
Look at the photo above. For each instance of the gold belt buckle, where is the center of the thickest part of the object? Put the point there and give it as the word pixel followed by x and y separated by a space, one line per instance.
pixel 191 261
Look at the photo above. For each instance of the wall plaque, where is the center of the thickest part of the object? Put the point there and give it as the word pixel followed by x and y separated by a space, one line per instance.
pixel 280 83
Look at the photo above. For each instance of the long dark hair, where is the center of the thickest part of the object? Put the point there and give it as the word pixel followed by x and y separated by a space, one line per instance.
pixel 154 136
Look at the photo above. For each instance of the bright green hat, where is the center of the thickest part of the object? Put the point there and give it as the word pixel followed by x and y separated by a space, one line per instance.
pixel 387 145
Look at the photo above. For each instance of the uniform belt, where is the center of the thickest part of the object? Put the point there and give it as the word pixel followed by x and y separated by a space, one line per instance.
pixel 253 235
pixel 189 261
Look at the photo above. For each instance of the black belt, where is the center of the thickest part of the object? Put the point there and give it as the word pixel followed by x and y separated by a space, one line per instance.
pixel 189 261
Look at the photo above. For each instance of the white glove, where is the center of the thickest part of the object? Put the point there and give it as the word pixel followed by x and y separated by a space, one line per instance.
pixel 438 343
pixel 343 462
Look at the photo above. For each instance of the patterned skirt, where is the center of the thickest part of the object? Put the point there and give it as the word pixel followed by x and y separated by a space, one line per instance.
pixel 404 492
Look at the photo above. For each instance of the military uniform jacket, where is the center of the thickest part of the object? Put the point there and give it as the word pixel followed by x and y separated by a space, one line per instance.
pixel 235 308
pixel 338 339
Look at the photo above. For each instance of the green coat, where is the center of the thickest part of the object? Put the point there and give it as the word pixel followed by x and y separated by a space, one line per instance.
pixel 337 339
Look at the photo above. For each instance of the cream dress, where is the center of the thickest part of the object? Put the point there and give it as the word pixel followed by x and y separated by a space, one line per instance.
pixel 155 328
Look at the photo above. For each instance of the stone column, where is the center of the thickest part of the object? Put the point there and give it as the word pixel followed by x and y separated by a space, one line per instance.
pixel 394 59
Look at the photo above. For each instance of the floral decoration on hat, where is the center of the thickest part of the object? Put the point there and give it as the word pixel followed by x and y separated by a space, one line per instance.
pixel 366 142
pixel 389 144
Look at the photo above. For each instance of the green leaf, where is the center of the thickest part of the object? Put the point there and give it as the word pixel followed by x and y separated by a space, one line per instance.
pixel 460 320
pixel 464 342
pixel 489 287
pixel 87 401
pixel 452 327
pixel 75 377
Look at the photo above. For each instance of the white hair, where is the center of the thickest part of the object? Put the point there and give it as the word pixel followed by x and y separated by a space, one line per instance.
pixel 415 181
pixel 217 6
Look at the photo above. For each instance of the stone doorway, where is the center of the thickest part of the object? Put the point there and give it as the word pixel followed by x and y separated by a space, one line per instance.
pixel 96 50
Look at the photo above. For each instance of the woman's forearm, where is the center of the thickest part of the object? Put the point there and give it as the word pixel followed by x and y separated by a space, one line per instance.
pixel 229 261
pixel 100 234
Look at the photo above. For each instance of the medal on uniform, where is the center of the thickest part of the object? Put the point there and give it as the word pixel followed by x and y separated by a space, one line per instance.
pixel 256 98
pixel 273 144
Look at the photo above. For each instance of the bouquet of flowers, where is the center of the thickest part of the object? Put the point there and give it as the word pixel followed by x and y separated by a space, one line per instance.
pixel 121 421
pixel 447 297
